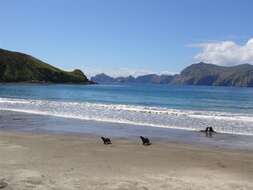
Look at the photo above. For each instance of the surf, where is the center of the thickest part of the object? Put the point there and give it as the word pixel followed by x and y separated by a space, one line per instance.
pixel 150 116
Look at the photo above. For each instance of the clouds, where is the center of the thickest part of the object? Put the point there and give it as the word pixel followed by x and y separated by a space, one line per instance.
pixel 225 53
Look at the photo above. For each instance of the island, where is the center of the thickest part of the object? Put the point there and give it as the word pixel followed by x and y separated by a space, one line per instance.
pixel 150 78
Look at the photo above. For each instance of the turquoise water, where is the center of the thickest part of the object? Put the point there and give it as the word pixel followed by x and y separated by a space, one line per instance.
pixel 227 109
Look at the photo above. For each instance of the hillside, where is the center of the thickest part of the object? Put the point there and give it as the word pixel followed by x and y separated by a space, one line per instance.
pixel 214 75
pixel 103 78
pixel 195 74
pixel 19 67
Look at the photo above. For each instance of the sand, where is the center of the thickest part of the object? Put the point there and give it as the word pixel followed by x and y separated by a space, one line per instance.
pixel 57 161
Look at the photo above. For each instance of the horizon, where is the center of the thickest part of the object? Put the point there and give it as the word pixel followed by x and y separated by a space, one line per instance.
pixel 122 38
pixel 132 75
pixel 169 74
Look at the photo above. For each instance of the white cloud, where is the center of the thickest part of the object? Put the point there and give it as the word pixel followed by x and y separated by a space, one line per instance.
pixel 226 53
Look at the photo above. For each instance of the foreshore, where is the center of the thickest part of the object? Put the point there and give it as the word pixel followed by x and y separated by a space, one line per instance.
pixel 58 161
pixel 42 152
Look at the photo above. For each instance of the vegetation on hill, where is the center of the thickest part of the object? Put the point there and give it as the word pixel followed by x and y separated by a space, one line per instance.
pixel 195 74
pixel 19 67
pixel 214 75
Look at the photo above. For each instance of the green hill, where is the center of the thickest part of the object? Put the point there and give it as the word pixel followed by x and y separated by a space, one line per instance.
pixel 214 75
pixel 19 67
pixel 195 74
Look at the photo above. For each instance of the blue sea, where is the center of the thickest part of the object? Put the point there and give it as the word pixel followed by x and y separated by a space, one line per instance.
pixel 227 109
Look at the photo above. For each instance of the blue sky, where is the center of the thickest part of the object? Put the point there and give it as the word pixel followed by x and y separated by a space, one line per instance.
pixel 123 37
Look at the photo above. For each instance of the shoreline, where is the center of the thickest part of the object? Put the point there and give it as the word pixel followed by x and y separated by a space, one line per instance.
pixel 223 122
pixel 47 83
pixel 44 124
pixel 41 153
pixel 119 123
pixel 71 162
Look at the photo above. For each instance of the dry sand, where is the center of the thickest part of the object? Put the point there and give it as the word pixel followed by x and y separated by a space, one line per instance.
pixel 59 162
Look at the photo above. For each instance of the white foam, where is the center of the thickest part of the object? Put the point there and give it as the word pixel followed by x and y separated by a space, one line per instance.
pixel 135 115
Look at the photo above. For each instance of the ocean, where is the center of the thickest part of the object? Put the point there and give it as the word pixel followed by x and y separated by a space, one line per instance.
pixel 226 109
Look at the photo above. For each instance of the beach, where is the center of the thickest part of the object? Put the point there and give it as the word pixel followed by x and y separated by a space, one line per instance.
pixel 37 159
pixel 57 161
pixel 50 138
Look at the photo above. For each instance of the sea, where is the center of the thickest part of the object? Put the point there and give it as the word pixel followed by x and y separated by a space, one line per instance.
pixel 228 110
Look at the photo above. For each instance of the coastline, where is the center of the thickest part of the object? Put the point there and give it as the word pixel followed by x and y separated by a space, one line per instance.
pixel 47 83
pixel 16 121
pixel 167 107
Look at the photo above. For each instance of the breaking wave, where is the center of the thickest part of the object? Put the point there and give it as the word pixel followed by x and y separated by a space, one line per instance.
pixel 135 115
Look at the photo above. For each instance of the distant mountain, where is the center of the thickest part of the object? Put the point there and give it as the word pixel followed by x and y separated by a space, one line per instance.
pixel 129 79
pixel 103 78
pixel 196 74
pixel 151 78
pixel 19 67
pixel 214 75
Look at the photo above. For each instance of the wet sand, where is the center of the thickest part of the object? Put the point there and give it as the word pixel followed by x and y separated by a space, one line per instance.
pixel 24 122
pixel 43 153
pixel 58 161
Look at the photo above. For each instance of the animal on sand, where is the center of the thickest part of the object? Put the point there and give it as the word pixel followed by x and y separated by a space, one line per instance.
pixel 145 141
pixel 209 131
pixel 3 184
pixel 106 140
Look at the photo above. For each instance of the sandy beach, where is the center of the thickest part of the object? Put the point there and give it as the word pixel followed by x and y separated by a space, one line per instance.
pixel 58 161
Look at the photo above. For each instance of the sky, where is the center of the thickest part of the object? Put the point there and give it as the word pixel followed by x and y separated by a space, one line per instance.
pixel 122 37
